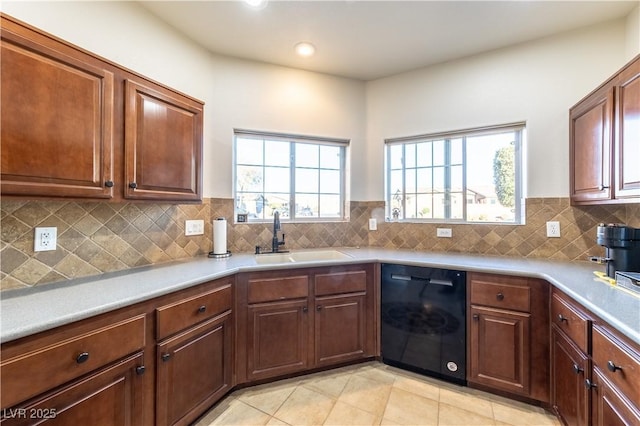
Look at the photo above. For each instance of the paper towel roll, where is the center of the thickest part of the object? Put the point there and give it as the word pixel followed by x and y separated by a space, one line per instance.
pixel 220 236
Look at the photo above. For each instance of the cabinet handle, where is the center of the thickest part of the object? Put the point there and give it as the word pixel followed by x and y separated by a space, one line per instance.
pixel 202 309
pixel 603 187
pixel 319 308
pixel 82 358
pixel 140 370
pixel 500 296
pixel 133 185
pixel 109 184
pixel 165 357
pixel 612 367
pixel 577 369
pixel 476 317
pixel 562 318
pixel 589 384
pixel 305 309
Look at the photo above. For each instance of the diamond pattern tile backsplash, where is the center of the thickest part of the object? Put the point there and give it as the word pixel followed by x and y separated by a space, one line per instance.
pixel 99 237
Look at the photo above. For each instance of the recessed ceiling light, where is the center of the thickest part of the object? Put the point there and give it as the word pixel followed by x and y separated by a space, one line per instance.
pixel 256 4
pixel 305 49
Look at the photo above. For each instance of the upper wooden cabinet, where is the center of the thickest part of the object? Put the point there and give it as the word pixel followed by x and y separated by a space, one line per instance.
pixel 57 118
pixel 75 125
pixel 605 141
pixel 163 144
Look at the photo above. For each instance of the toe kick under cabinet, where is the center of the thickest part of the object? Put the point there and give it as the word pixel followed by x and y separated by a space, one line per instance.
pixel 160 362
pixel 291 321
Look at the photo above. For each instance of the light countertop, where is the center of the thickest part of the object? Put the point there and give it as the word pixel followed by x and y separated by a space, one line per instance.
pixel 27 311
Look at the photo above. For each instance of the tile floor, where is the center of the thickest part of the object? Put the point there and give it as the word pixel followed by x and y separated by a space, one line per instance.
pixel 369 394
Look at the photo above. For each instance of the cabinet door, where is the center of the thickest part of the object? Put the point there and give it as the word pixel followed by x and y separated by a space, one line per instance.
pixel 56 119
pixel 277 339
pixel 569 370
pixel 163 144
pixel 627 145
pixel 194 371
pixel 591 144
pixel 500 349
pixel 610 408
pixel 112 396
pixel 339 329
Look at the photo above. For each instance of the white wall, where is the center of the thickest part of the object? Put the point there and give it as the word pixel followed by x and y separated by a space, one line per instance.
pixel 536 82
pixel 237 93
pixel 633 33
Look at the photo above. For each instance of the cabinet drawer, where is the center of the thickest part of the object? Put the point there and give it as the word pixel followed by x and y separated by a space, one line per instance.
pixel 340 282
pixel 499 295
pixel 29 374
pixel 185 313
pixel 568 318
pixel 609 354
pixel 269 289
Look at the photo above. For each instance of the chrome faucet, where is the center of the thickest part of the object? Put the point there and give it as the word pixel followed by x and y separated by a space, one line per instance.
pixel 275 242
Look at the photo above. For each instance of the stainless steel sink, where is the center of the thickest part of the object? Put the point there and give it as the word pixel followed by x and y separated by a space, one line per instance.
pixel 300 256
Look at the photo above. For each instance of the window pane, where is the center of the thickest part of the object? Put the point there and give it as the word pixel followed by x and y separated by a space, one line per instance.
pixel 456 178
pixel 410 155
pixel 330 157
pixel 438 153
pixel 423 154
pixel 249 151
pixel 275 202
pixel 276 179
pixel 329 205
pixel 410 180
pixel 307 205
pixel 276 153
pixel 330 181
pixel 307 155
pixel 425 182
pixel 396 182
pixel 438 179
pixel 456 151
pixel 307 180
pixel 410 206
pixel 249 178
pixel 424 206
pixel 395 157
pixel 457 201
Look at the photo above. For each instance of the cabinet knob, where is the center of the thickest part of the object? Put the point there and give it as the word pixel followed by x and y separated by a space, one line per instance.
pixel 603 187
pixel 165 357
pixel 82 358
pixel 202 309
pixel 500 296
pixel 589 384
pixel 109 184
pixel 133 185
pixel 305 309
pixel 319 308
pixel 140 370
pixel 562 318
pixel 476 317
pixel 577 369
pixel 612 367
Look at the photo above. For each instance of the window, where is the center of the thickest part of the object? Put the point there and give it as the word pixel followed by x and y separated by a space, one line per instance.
pixel 466 176
pixel 301 177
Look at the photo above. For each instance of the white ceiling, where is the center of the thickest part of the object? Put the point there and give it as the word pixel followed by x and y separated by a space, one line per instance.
pixel 366 40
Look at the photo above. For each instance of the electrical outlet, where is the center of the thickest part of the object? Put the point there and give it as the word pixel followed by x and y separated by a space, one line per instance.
pixel 373 224
pixel 443 232
pixel 45 239
pixel 553 229
pixel 194 227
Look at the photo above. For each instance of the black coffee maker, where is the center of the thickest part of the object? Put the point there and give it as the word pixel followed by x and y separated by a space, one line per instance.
pixel 622 247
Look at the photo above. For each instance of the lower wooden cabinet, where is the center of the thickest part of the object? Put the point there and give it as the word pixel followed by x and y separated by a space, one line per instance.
pixel 508 335
pixel 290 321
pixel 194 370
pixel 112 396
pixel 570 367
pixel 610 407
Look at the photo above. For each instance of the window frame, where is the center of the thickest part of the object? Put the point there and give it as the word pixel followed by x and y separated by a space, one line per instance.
pixel 294 139
pixel 519 128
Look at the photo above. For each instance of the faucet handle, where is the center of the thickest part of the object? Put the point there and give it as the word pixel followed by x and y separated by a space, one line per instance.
pixel 258 249
pixel 282 242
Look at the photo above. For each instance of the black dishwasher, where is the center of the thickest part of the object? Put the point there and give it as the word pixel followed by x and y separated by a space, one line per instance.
pixel 423 317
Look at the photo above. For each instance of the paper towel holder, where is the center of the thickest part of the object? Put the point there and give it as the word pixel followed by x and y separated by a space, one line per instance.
pixel 213 254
